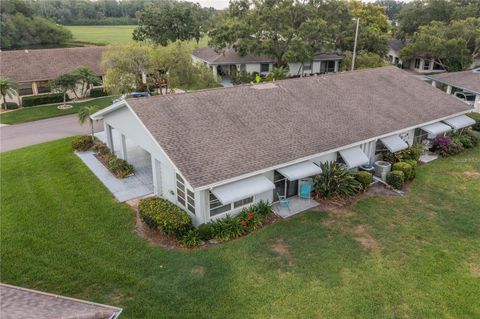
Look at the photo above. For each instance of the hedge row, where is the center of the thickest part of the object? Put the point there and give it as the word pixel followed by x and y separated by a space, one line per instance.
pixel 98 92
pixel 42 99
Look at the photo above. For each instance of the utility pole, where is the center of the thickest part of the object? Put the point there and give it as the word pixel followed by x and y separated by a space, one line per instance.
pixel 355 45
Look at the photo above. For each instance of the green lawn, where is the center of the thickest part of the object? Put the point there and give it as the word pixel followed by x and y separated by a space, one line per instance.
pixel 111 34
pixel 28 114
pixel 63 232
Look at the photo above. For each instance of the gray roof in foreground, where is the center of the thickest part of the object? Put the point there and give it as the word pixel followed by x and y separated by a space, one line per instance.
pixel 467 80
pixel 229 56
pixel 215 135
pixel 396 44
pixel 19 303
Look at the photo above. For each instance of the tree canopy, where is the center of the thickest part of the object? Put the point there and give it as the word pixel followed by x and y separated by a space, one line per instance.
pixel 422 12
pixel 454 45
pixel 20 28
pixel 294 30
pixel 168 22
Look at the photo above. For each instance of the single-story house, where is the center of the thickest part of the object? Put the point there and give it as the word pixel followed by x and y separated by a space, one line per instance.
pixel 465 85
pixel 224 62
pixel 419 64
pixel 33 69
pixel 17 302
pixel 216 151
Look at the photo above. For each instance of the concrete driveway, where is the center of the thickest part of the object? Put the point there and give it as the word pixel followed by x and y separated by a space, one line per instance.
pixel 25 134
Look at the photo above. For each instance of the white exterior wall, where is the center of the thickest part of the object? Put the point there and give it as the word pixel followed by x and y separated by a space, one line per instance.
pixel 477 104
pixel 253 67
pixel 332 157
pixel 127 124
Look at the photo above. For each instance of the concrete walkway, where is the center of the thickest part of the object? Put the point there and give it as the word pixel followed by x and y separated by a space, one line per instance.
pixel 26 134
pixel 123 189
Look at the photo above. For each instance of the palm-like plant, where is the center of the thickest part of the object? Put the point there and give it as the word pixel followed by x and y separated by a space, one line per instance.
pixel 8 88
pixel 84 114
pixel 335 180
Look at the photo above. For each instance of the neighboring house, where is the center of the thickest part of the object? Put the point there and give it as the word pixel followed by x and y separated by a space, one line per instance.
pixel 17 302
pixel 228 61
pixel 464 85
pixel 216 151
pixel 419 64
pixel 33 69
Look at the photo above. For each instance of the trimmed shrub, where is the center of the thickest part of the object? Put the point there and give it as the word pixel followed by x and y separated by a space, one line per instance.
pixel 82 143
pixel 414 165
pixel 335 180
pixel 396 179
pixel 205 231
pixel 98 92
pixel 191 238
pixel 42 99
pixel 476 117
pixel 10 106
pixel 227 228
pixel 118 166
pixel 411 153
pixel 365 178
pixel 405 168
pixel 160 213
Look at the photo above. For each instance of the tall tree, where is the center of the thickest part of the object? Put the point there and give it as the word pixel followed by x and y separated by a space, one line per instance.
pixel 169 22
pixel 282 29
pixel 84 115
pixel 86 78
pixel 64 83
pixel 20 28
pixel 454 45
pixel 8 88
pixel 392 7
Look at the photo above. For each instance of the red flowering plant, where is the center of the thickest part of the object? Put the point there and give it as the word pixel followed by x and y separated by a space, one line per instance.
pixel 249 219
pixel 446 145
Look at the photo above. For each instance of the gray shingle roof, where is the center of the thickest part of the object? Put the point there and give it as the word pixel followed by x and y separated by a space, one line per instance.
pixel 218 134
pixel 47 64
pixel 467 80
pixel 229 56
pixel 18 303
pixel 396 45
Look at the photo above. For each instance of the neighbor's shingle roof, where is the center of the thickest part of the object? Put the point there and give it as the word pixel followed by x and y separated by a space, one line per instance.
pixel 18 303
pixel 468 80
pixel 396 45
pixel 215 135
pixel 229 55
pixel 47 64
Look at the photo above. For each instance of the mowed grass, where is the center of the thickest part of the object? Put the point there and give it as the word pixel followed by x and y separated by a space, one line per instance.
pixel 103 34
pixel 386 257
pixel 113 34
pixel 28 114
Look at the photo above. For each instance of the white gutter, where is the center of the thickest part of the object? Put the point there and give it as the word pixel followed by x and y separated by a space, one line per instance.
pixel 307 158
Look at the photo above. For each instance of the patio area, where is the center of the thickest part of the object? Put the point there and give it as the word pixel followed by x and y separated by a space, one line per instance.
pixel 138 185
pixel 297 205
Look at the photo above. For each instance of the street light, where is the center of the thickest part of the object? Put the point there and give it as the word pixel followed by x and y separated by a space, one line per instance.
pixel 355 45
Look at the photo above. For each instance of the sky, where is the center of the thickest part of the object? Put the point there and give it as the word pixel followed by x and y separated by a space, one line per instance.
pixel 222 4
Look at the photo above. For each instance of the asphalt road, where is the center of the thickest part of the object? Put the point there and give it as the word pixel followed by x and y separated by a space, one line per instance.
pixel 25 134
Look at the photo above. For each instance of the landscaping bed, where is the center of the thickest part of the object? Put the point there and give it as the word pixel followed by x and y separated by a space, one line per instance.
pixel 412 256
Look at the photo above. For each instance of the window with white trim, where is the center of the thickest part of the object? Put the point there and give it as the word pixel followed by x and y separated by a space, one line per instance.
pixel 185 196
pixel 217 208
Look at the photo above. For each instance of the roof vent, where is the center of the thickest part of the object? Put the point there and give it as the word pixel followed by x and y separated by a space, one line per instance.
pixel 264 86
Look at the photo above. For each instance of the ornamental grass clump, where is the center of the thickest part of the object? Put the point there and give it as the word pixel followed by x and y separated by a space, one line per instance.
pixel 335 180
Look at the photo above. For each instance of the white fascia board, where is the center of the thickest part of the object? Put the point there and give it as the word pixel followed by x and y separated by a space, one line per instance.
pixel 308 158
pixel 115 106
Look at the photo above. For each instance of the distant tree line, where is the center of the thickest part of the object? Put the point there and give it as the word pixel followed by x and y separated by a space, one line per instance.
pixel 99 12
pixel 21 28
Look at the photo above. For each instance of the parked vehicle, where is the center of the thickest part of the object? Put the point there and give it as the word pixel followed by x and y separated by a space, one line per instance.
pixel 133 94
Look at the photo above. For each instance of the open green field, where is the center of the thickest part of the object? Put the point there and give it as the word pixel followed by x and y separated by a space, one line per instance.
pixel 112 34
pixel 103 34
pixel 386 257
pixel 28 114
